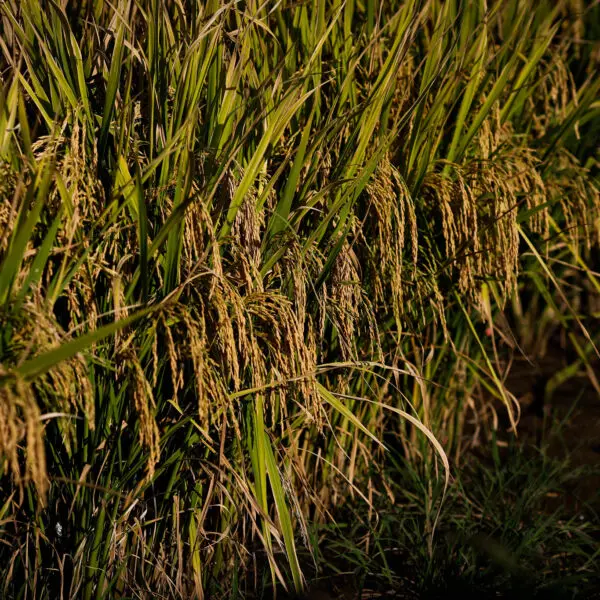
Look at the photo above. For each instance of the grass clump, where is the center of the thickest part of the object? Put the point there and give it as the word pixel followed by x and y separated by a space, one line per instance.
pixel 247 246
pixel 502 535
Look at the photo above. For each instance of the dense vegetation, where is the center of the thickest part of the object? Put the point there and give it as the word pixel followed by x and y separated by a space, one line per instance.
pixel 250 249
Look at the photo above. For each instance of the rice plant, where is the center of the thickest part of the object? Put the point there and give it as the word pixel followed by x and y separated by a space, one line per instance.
pixel 246 247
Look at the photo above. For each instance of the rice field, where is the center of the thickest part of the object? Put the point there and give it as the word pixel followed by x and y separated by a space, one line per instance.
pixel 251 250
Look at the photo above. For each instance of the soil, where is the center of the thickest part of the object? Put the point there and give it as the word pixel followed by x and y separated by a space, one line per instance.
pixel 567 423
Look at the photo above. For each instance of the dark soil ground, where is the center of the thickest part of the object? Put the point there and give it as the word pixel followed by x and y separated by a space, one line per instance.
pixel 567 424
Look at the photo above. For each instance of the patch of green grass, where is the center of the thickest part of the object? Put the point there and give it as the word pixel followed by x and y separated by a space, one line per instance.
pixel 506 531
